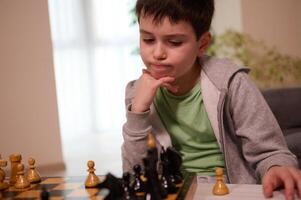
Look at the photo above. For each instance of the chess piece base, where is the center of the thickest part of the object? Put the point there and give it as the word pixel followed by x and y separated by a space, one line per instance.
pixel 4 186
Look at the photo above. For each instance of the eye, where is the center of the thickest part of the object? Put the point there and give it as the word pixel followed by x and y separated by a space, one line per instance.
pixel 175 43
pixel 148 40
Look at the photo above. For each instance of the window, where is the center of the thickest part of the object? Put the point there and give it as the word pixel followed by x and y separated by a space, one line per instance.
pixel 93 44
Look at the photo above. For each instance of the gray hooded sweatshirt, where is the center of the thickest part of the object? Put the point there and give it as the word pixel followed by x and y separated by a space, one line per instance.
pixel 246 130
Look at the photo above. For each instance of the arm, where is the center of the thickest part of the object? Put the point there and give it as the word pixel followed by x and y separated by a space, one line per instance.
pixel 263 146
pixel 139 97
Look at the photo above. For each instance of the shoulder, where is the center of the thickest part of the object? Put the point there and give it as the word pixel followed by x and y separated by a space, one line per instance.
pixel 221 71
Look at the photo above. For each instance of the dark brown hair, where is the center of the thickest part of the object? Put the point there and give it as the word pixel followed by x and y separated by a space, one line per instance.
pixel 198 13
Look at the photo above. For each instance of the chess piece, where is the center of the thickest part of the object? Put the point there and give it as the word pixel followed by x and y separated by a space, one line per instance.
pixel 114 185
pixel 44 194
pixel 166 176
pixel 153 188
pixel 174 165
pixel 138 185
pixel 32 174
pixel 3 184
pixel 15 159
pixel 220 188
pixel 21 182
pixel 128 193
pixel 92 180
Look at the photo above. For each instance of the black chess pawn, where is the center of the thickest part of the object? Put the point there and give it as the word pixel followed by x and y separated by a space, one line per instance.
pixel 44 194
pixel 138 184
pixel 128 193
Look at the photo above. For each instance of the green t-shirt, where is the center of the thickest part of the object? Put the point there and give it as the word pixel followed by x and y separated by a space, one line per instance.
pixel 186 120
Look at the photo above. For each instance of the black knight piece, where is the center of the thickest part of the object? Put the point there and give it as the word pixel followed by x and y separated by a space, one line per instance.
pixel 114 185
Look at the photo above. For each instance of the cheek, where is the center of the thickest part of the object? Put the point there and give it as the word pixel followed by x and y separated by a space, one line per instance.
pixel 144 52
pixel 184 57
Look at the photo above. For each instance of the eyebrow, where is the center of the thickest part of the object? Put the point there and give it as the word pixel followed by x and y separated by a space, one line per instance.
pixel 168 35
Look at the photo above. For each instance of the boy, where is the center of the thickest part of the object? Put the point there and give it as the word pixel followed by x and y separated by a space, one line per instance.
pixel 207 108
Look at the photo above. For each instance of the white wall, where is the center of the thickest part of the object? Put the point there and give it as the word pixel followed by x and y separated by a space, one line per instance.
pixel 276 22
pixel 28 107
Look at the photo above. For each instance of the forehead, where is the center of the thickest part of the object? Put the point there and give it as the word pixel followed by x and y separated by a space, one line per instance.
pixel 165 26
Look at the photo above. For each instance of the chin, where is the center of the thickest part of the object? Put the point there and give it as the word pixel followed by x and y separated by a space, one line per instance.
pixel 158 75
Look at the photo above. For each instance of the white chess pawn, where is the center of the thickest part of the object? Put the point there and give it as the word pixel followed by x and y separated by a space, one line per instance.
pixel 220 188
pixel 21 182
pixel 92 180
pixel 32 174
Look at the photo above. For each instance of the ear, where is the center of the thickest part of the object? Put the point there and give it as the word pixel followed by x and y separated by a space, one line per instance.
pixel 204 42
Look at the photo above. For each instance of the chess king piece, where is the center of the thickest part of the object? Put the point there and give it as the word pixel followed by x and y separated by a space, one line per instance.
pixel 3 184
pixel 21 182
pixel 220 188
pixel 32 174
pixel 92 180
pixel 15 159
pixel 152 186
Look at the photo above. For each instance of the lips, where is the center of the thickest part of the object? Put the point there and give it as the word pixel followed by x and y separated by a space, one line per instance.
pixel 160 66
pixel 160 70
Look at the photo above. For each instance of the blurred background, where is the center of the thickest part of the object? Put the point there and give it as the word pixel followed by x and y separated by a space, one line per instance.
pixel 64 66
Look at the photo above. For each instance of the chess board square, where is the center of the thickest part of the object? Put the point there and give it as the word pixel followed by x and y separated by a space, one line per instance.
pixel 54 180
pixel 83 193
pixel 59 193
pixel 29 194
pixel 8 194
pixel 67 186
pixel 46 186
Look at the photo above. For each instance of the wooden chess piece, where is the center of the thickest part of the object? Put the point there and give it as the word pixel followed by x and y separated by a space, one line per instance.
pixel 92 180
pixel 32 174
pixel 151 142
pixel 220 188
pixel 21 182
pixel 15 159
pixel 3 184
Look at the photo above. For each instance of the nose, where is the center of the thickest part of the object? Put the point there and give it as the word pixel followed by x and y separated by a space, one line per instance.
pixel 159 52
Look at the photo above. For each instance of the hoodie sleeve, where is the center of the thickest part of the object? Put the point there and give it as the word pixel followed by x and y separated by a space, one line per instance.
pixel 263 144
pixel 135 131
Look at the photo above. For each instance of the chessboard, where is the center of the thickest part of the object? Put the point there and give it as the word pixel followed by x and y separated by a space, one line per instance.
pixel 74 188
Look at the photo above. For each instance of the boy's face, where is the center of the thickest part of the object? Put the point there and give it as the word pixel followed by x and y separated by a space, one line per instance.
pixel 169 49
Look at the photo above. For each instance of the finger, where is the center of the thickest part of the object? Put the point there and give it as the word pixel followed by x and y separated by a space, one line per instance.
pixel 269 184
pixel 289 187
pixel 297 178
pixel 167 79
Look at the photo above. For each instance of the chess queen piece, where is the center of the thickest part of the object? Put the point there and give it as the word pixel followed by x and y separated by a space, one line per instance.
pixel 21 182
pixel 92 180
pixel 32 175
pixel 15 159
pixel 3 184
pixel 220 188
